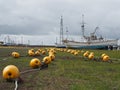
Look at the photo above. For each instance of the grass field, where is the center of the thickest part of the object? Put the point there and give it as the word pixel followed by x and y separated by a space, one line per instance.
pixel 66 72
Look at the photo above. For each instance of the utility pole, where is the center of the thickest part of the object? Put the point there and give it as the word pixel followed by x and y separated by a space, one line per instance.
pixel 61 30
pixel 22 40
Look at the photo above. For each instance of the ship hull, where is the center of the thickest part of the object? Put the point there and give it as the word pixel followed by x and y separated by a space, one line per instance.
pixel 60 45
pixel 91 45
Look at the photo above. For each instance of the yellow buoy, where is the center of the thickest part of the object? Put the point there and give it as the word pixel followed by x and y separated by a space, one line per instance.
pixel 106 58
pixel 31 53
pixel 35 63
pixel 85 54
pixel 92 53
pixel 15 54
pixel 73 51
pixel 11 72
pixel 40 50
pixel 103 55
pixel 43 52
pixel 47 60
pixel 91 56
pixel 52 56
pixel 68 50
pixel 76 53
pixel 50 53
pixel 37 53
pixel 32 50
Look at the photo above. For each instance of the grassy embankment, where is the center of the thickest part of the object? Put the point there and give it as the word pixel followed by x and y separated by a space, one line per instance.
pixel 67 72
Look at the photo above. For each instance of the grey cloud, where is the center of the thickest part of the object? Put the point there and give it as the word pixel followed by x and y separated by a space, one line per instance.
pixel 42 17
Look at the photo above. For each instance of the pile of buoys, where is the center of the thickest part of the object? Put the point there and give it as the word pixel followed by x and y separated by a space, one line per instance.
pixel 87 55
pixel 39 52
pixel 11 72
pixel 104 57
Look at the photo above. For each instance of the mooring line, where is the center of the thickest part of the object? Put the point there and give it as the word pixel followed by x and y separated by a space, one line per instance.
pixel 16 81
pixel 115 59
pixel 29 70
pixel 16 84
pixel 4 59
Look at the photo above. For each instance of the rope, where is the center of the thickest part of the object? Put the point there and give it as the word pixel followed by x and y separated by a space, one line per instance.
pixel 29 70
pixel 115 59
pixel 4 59
pixel 43 66
pixel 16 84
pixel 16 81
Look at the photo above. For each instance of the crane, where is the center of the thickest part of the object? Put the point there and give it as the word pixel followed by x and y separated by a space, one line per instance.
pixel 92 34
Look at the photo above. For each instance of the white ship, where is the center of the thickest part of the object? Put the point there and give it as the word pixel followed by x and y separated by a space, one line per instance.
pixel 90 42
pixel 99 43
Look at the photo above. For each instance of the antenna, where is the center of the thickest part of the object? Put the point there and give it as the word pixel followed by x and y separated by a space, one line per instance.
pixel 83 25
pixel 66 33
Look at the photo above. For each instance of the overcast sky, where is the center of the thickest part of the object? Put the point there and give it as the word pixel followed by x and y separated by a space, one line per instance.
pixel 39 20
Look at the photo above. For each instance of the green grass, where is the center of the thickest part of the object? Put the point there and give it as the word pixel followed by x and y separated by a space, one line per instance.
pixel 67 72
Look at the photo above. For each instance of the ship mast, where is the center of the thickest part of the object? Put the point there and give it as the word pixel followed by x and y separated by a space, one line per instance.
pixel 83 26
pixel 61 30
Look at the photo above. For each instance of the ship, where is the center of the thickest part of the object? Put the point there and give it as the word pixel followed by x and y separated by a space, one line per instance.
pixel 88 42
pixel 92 41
